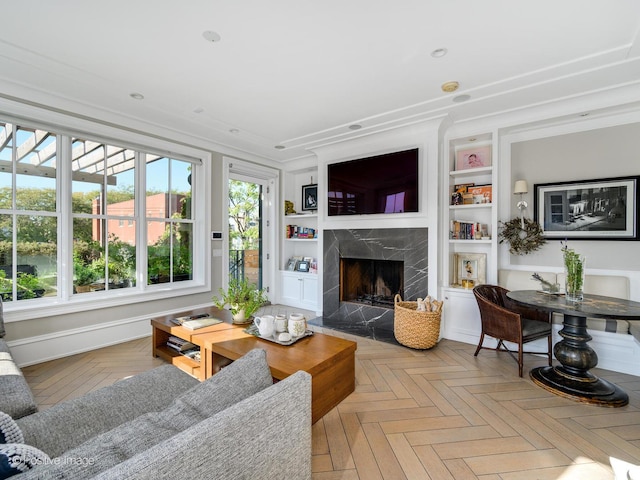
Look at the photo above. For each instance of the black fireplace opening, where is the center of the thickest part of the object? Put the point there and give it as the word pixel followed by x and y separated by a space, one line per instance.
pixel 371 282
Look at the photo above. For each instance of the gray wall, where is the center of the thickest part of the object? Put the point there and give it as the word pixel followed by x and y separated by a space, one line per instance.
pixel 43 324
pixel 593 154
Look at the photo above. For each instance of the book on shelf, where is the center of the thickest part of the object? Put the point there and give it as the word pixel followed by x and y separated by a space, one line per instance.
pixel 297 231
pixel 193 353
pixel 481 193
pixel 179 344
pixel 461 230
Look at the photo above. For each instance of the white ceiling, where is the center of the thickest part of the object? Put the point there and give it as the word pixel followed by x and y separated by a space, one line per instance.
pixel 298 73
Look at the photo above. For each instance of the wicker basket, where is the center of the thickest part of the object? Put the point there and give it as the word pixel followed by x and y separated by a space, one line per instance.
pixel 416 329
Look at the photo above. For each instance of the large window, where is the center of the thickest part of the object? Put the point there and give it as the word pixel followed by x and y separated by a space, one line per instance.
pixel 128 222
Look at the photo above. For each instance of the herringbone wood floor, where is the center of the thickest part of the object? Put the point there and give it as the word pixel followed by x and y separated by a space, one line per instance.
pixel 437 414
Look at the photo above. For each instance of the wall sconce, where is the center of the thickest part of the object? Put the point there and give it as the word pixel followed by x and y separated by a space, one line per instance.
pixel 521 188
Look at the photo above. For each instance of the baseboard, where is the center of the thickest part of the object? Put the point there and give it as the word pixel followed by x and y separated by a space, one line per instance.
pixel 616 352
pixel 43 348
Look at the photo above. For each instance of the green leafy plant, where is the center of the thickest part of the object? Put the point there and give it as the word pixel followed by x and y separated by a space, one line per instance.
pixel 574 266
pixel 241 295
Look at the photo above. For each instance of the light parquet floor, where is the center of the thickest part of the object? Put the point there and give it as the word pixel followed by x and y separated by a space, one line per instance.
pixel 438 414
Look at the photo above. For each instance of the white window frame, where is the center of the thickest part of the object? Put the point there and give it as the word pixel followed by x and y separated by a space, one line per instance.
pixel 66 302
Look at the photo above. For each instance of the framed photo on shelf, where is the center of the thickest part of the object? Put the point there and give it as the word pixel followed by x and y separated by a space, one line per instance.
pixel 469 269
pixel 291 264
pixel 602 209
pixel 302 266
pixel 310 197
pixel 473 157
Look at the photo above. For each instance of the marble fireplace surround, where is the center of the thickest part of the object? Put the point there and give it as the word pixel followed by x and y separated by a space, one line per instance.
pixel 409 245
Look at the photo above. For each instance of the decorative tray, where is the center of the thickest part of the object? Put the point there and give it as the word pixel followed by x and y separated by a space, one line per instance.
pixel 253 330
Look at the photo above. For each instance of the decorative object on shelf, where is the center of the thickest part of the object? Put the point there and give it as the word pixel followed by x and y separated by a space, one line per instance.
pixel 242 298
pixel 417 329
pixel 481 194
pixel 574 274
pixel 603 209
pixel 473 158
pixel 470 269
pixel 523 235
pixel 546 285
pixel 288 208
pixel 310 197
pixel 302 266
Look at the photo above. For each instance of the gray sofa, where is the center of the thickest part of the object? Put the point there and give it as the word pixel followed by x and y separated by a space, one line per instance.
pixel 165 424
pixel 15 395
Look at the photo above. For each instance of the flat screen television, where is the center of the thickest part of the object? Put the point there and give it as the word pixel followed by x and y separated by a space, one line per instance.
pixel 381 184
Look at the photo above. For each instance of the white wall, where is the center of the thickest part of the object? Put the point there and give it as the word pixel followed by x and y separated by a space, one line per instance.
pixel 551 155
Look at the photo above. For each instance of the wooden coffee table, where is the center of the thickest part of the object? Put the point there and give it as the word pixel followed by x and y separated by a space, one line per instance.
pixel 329 360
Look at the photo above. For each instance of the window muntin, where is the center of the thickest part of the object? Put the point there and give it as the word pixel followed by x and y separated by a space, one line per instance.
pixel 28 213
pixel 102 214
pixel 169 220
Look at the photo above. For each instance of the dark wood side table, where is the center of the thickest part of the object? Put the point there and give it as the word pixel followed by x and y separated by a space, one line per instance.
pixel 572 378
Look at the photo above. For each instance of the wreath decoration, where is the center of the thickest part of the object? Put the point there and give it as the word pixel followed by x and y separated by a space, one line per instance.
pixel 523 235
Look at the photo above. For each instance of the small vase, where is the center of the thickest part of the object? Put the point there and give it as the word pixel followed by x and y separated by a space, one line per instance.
pixel 574 278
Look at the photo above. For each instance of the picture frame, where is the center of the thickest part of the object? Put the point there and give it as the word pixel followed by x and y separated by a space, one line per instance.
pixel 599 209
pixel 476 157
pixel 469 269
pixel 291 264
pixel 302 266
pixel 310 197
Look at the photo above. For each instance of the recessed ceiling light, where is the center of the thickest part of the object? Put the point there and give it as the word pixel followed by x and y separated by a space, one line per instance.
pixel 279 147
pixel 234 130
pixel 449 87
pixel 461 98
pixel 584 114
pixel 136 96
pixel 439 52
pixel 355 126
pixel 211 36
pixel 198 110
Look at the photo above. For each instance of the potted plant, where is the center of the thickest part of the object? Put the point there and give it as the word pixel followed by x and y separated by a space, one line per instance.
pixel 84 276
pixel 243 299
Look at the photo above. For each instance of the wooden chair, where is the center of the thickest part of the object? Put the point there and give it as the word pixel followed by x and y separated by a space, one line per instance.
pixel 507 321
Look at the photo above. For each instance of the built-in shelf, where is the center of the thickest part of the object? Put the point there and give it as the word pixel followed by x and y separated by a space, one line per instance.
pixel 469 241
pixel 470 172
pixel 470 206
pixel 301 215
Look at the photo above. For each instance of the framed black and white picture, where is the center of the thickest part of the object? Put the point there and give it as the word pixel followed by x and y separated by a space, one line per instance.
pixel 310 197
pixel 603 209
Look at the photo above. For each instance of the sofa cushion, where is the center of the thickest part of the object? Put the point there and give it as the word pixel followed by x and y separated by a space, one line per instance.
pixel 9 430
pixel 241 379
pixel 523 279
pixel 17 458
pixel 70 423
pixel 16 398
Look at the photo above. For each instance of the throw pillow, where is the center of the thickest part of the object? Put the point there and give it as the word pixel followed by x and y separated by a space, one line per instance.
pixel 241 379
pixel 9 430
pixel 18 458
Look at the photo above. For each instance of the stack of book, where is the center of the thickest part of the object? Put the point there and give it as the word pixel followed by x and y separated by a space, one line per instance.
pixel 296 231
pixel 180 344
pixel 461 230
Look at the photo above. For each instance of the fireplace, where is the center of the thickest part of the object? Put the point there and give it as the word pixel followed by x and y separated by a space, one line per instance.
pixel 370 281
pixel 400 252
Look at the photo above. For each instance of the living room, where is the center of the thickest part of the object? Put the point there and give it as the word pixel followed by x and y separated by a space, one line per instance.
pixel 569 115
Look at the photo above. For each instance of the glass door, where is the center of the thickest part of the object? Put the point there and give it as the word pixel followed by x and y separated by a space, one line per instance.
pixel 246 231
